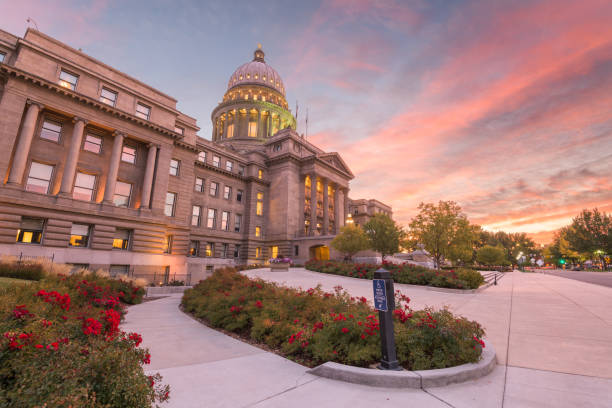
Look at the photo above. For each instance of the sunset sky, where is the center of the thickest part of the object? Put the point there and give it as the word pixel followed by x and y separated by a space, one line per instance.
pixel 502 106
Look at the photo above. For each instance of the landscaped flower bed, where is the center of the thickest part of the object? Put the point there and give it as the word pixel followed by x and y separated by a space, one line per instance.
pixel 406 273
pixel 313 327
pixel 60 345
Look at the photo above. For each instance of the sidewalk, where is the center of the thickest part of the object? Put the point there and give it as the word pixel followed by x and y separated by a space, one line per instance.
pixel 559 334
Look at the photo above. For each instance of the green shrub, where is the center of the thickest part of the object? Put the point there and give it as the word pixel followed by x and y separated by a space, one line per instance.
pixel 61 346
pixel 472 278
pixel 312 326
pixel 22 270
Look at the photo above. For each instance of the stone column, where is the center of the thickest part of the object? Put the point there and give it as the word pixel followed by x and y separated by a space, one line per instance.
pixel 301 205
pixel 346 204
pixel 215 124
pixel 268 122
pixel 25 141
pixel 325 207
pixel 313 204
pixel 111 180
pixel 147 185
pixel 336 210
pixel 73 155
pixel 259 127
pixel 238 127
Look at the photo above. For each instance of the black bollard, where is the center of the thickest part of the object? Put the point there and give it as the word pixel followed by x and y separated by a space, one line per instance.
pixel 384 302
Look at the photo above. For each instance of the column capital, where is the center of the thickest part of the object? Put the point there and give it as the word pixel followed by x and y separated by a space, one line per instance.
pixel 118 133
pixel 80 119
pixel 33 102
pixel 151 144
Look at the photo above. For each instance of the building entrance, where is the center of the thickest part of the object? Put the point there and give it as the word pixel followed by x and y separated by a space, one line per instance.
pixel 319 253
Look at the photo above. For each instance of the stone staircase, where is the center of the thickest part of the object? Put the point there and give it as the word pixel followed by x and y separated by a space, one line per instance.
pixel 491 277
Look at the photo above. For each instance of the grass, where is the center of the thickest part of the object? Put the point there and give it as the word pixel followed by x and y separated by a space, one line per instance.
pixel 11 281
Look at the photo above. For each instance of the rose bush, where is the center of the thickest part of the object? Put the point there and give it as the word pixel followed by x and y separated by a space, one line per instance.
pixel 405 273
pixel 312 326
pixel 60 345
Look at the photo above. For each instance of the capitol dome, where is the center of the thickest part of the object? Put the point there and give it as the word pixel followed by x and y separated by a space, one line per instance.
pixel 257 72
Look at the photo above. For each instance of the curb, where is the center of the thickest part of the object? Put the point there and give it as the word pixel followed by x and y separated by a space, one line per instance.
pixel 409 379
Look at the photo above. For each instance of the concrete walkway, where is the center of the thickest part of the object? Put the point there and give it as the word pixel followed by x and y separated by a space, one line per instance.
pixel 556 335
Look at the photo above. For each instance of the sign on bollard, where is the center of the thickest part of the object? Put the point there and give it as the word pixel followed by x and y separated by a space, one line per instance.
pixel 385 304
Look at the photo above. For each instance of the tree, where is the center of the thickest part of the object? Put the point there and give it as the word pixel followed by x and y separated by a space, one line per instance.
pixel 591 231
pixel 462 246
pixel 350 240
pixel 384 234
pixel 440 228
pixel 490 255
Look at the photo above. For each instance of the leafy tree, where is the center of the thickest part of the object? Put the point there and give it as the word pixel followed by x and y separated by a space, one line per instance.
pixel 350 240
pixel 384 235
pixel 440 228
pixel 491 255
pixel 512 243
pixel 591 231
pixel 462 246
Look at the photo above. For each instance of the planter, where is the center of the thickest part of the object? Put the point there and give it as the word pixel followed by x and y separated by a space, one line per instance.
pixel 279 267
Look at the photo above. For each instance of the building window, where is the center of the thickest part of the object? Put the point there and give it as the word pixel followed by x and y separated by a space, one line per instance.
pixel 51 131
pixel 296 250
pixel 108 97
pixel 237 222
pixel 68 80
pixel 39 178
pixel 277 147
pixel 119 270
pixel 174 167
pixel 202 157
pixel 196 215
pixel 259 204
pixel 239 196
pixel 194 248
pixel 167 244
pixel 216 161
pixel 224 250
pixel 257 252
pixel 210 248
pixel 79 235
pixel 123 192
pixel 229 165
pixel 128 154
pixel 93 144
pixel 211 222
pixel 30 230
pixel 227 192
pixel 143 111
pixel 199 184
pixel 170 204
pixel 258 231
pixel 260 174
pixel 225 220
pixel 84 185
pixel 2 55
pixel 241 170
pixel 237 251
pixel 230 131
pixel 179 130
pixel 274 252
pixel 252 129
pixel 121 239
pixel 214 186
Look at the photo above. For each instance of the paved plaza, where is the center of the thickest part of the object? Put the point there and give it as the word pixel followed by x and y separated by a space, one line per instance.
pixel 553 338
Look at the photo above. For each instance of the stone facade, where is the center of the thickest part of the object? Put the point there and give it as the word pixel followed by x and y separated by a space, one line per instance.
pixel 360 211
pixel 102 170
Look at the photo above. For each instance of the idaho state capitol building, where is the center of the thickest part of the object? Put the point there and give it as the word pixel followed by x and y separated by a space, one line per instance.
pixel 101 170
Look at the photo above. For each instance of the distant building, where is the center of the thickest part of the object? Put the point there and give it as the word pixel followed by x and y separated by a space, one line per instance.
pixel 102 170
pixel 360 211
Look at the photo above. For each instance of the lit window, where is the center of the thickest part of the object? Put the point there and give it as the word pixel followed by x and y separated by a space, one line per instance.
pixel 237 222
pixel 30 230
pixel 241 170
pixel 225 220
pixel 170 204
pixel 211 221
pixel 237 251
pixel 224 250
pixel 51 131
pixel 68 80
pixel 2 55
pixel 79 235
pixel 174 167
pixel 202 157
pixel 252 129
pixel 227 192
pixel 230 131
pixel 121 239
pixel 143 111
pixel 167 244
pixel 179 130
pixel 195 215
pixel 84 185
pixel 257 252
pixel 260 174
pixel 128 154
pixel 274 252
pixel 239 196
pixel 123 191
pixel 93 144
pixel 259 203
pixel 258 231
pixel 194 248
pixel 39 178
pixel 216 161
pixel 199 184
pixel 214 186
pixel 229 165
pixel 248 76
pixel 108 97
pixel 210 248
